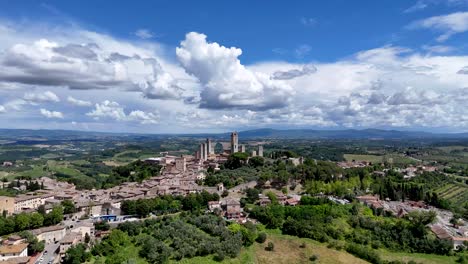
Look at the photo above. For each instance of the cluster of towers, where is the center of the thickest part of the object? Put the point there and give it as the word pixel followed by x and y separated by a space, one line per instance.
pixel 207 148
pixel 235 146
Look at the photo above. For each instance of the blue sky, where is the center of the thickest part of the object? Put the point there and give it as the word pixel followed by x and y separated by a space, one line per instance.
pixel 173 66
pixel 332 29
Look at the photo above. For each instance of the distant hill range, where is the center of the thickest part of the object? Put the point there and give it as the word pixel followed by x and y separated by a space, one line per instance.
pixel 266 133
pixel 346 134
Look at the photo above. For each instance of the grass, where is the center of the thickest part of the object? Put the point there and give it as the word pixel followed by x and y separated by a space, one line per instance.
pixel 130 251
pixel 448 149
pixel 287 250
pixel 113 163
pixel 417 257
pixel 49 156
pixel 36 172
pixel 368 158
pixel 397 159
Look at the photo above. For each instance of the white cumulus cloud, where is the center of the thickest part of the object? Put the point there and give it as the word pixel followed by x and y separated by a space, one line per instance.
pixel 78 102
pixel 226 82
pixel 113 110
pixel 108 109
pixel 45 97
pixel 51 114
pixel 450 24
pixel 101 63
pixel 144 117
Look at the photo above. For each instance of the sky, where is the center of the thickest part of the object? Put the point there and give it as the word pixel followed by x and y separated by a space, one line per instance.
pixel 215 66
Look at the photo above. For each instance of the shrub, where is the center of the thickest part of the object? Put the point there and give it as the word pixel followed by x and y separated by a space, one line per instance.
pixel 270 246
pixel 219 256
pixel 261 238
pixel 313 258
pixel 364 252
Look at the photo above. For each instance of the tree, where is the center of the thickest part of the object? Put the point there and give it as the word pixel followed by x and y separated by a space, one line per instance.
pixel 143 208
pixel 272 197
pixel 54 217
pixel 68 207
pixel 455 221
pixel 101 226
pixel 41 209
pixel 252 195
pixel 34 245
pixel 236 160
pixel 256 161
pixel 87 238
pixel 155 251
pixel 36 220
pixel 22 222
pixel 76 255
pixel 419 220
pixel 7 225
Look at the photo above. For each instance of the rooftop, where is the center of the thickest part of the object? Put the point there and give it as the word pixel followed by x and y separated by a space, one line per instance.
pixel 11 249
pixel 70 238
pixel 47 229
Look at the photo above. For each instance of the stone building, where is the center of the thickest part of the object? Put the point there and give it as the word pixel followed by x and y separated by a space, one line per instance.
pixel 69 240
pixel 50 234
pixel 233 209
pixel 7 204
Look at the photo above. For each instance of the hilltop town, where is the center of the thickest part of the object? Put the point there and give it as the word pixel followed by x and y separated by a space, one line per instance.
pixel 178 176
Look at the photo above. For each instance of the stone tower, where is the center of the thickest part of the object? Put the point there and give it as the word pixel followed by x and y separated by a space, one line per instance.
pixel 242 147
pixel 181 164
pixel 260 151
pixel 209 146
pixel 234 142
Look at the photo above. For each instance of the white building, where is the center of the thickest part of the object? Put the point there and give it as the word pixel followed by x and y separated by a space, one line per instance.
pixel 83 229
pixel 50 234
pixel 13 251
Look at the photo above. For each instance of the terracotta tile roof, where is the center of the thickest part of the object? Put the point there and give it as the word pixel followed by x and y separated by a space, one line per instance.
pixel 10 249
pixel 440 232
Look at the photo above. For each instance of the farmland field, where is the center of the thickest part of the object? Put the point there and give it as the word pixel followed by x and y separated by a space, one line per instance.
pixel 454 192
pixel 287 250
pixel 368 158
